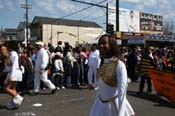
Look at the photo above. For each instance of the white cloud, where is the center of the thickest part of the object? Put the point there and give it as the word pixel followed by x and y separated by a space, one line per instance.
pixel 35 11
pixel 1 6
pixel 166 9
pixel 21 1
pixel 150 2
pixel 70 7
pixel 171 13
pixel 139 7
pixel 66 6
pixel 157 13
pixel 133 1
pixel 48 5
pixel 87 0
pixel 10 5
pixel 163 1
pixel 100 12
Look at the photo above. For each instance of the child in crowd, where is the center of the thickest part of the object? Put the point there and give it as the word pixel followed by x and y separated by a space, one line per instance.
pixel 58 71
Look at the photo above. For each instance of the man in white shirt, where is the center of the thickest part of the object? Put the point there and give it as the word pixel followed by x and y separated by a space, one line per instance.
pixel 132 26
pixel 41 73
pixel 93 63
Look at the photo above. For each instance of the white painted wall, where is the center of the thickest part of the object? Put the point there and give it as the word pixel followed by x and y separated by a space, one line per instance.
pixel 82 34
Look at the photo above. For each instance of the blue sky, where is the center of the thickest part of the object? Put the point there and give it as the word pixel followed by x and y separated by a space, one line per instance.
pixel 11 12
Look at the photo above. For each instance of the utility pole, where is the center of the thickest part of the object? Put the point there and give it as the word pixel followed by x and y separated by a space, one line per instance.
pixel 107 17
pixel 117 16
pixel 51 34
pixel 26 6
pixel 1 31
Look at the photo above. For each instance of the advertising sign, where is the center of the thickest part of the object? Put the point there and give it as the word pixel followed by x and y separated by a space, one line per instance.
pixel 127 35
pixel 133 38
pixel 151 23
pixel 129 20
pixel 135 21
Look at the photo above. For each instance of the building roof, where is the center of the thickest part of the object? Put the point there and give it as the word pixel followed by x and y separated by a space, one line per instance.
pixel 67 22
pixel 22 25
pixel 10 30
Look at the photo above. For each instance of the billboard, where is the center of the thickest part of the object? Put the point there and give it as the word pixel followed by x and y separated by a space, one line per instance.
pixel 129 20
pixel 135 21
pixel 150 23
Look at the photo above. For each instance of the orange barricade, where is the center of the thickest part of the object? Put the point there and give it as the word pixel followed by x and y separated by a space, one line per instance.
pixel 164 83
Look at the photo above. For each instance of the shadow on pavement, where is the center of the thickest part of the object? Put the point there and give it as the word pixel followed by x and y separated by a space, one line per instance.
pixel 154 98
pixel 2 107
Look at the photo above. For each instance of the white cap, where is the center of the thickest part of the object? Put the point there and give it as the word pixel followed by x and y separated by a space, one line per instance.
pixel 39 43
pixel 139 49
pixel 59 54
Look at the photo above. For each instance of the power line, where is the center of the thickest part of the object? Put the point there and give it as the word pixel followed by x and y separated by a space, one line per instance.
pixel 89 3
pixel 83 9
pixel 98 17
pixel 90 14
pixel 111 1
pixel 76 12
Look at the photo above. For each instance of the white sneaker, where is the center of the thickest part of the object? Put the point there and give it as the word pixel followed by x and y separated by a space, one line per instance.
pixel 11 105
pixel 129 80
pixel 58 88
pixel 18 100
pixel 62 87
pixel 96 88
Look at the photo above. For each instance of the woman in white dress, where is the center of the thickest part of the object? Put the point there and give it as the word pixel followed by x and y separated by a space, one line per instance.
pixel 14 74
pixel 112 82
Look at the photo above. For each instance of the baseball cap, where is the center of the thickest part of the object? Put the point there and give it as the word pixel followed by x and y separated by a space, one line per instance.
pixel 39 43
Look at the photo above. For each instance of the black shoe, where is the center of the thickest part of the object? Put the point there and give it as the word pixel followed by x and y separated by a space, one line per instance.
pixel 139 93
pixel 54 90
pixel 33 93
pixel 149 92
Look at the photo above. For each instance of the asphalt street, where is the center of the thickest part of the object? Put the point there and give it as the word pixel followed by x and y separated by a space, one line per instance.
pixel 78 102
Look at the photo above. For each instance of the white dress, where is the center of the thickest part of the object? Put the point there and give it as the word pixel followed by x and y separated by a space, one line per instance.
pixel 120 106
pixel 14 72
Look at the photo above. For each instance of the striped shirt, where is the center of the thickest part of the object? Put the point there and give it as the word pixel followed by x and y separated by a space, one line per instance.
pixel 145 65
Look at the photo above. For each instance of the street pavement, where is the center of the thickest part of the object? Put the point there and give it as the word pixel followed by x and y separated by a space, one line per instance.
pixel 78 102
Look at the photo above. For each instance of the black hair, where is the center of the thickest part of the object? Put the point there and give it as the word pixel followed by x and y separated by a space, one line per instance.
pixel 12 45
pixel 131 11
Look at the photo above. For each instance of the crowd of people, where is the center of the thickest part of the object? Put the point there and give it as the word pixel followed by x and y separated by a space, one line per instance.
pixel 53 68
pixel 41 66
pixel 140 60
pixel 161 58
